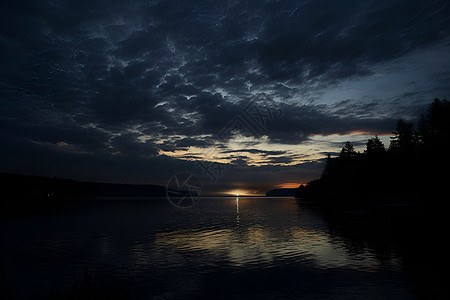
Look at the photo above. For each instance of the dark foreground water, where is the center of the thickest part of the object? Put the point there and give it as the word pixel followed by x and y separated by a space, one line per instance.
pixel 223 248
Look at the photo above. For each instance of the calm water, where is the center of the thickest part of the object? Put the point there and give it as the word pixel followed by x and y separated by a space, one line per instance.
pixel 253 248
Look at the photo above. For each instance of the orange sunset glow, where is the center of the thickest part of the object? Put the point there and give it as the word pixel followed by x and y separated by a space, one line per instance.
pixel 289 185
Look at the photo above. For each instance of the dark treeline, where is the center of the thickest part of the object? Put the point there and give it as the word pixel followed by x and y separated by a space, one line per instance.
pixel 414 168
pixel 284 192
pixel 24 194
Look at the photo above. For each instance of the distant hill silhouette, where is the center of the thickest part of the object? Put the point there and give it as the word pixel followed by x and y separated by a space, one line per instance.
pixel 24 194
pixel 16 185
pixel 281 192
pixel 414 167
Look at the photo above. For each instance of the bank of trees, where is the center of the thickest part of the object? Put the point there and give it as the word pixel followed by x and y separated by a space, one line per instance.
pixel 414 167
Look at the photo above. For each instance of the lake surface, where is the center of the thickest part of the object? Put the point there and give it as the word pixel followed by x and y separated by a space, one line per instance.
pixel 222 248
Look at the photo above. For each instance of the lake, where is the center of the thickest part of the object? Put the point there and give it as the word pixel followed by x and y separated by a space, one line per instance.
pixel 222 248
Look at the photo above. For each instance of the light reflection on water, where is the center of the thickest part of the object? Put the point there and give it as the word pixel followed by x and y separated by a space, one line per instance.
pixel 222 248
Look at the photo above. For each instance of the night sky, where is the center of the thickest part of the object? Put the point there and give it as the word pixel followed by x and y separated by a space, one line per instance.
pixel 247 95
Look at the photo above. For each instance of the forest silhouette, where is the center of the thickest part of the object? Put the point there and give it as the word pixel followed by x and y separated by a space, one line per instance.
pixel 394 199
pixel 413 169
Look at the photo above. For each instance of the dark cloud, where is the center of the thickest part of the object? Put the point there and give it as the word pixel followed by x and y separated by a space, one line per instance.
pixel 280 160
pixel 255 151
pixel 129 144
pixel 240 161
pixel 300 122
pixel 184 143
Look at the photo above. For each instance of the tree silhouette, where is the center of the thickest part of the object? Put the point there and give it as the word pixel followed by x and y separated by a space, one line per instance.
pixel 434 128
pixel 348 151
pixel 404 139
pixel 375 146
pixel 328 167
pixel 411 170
